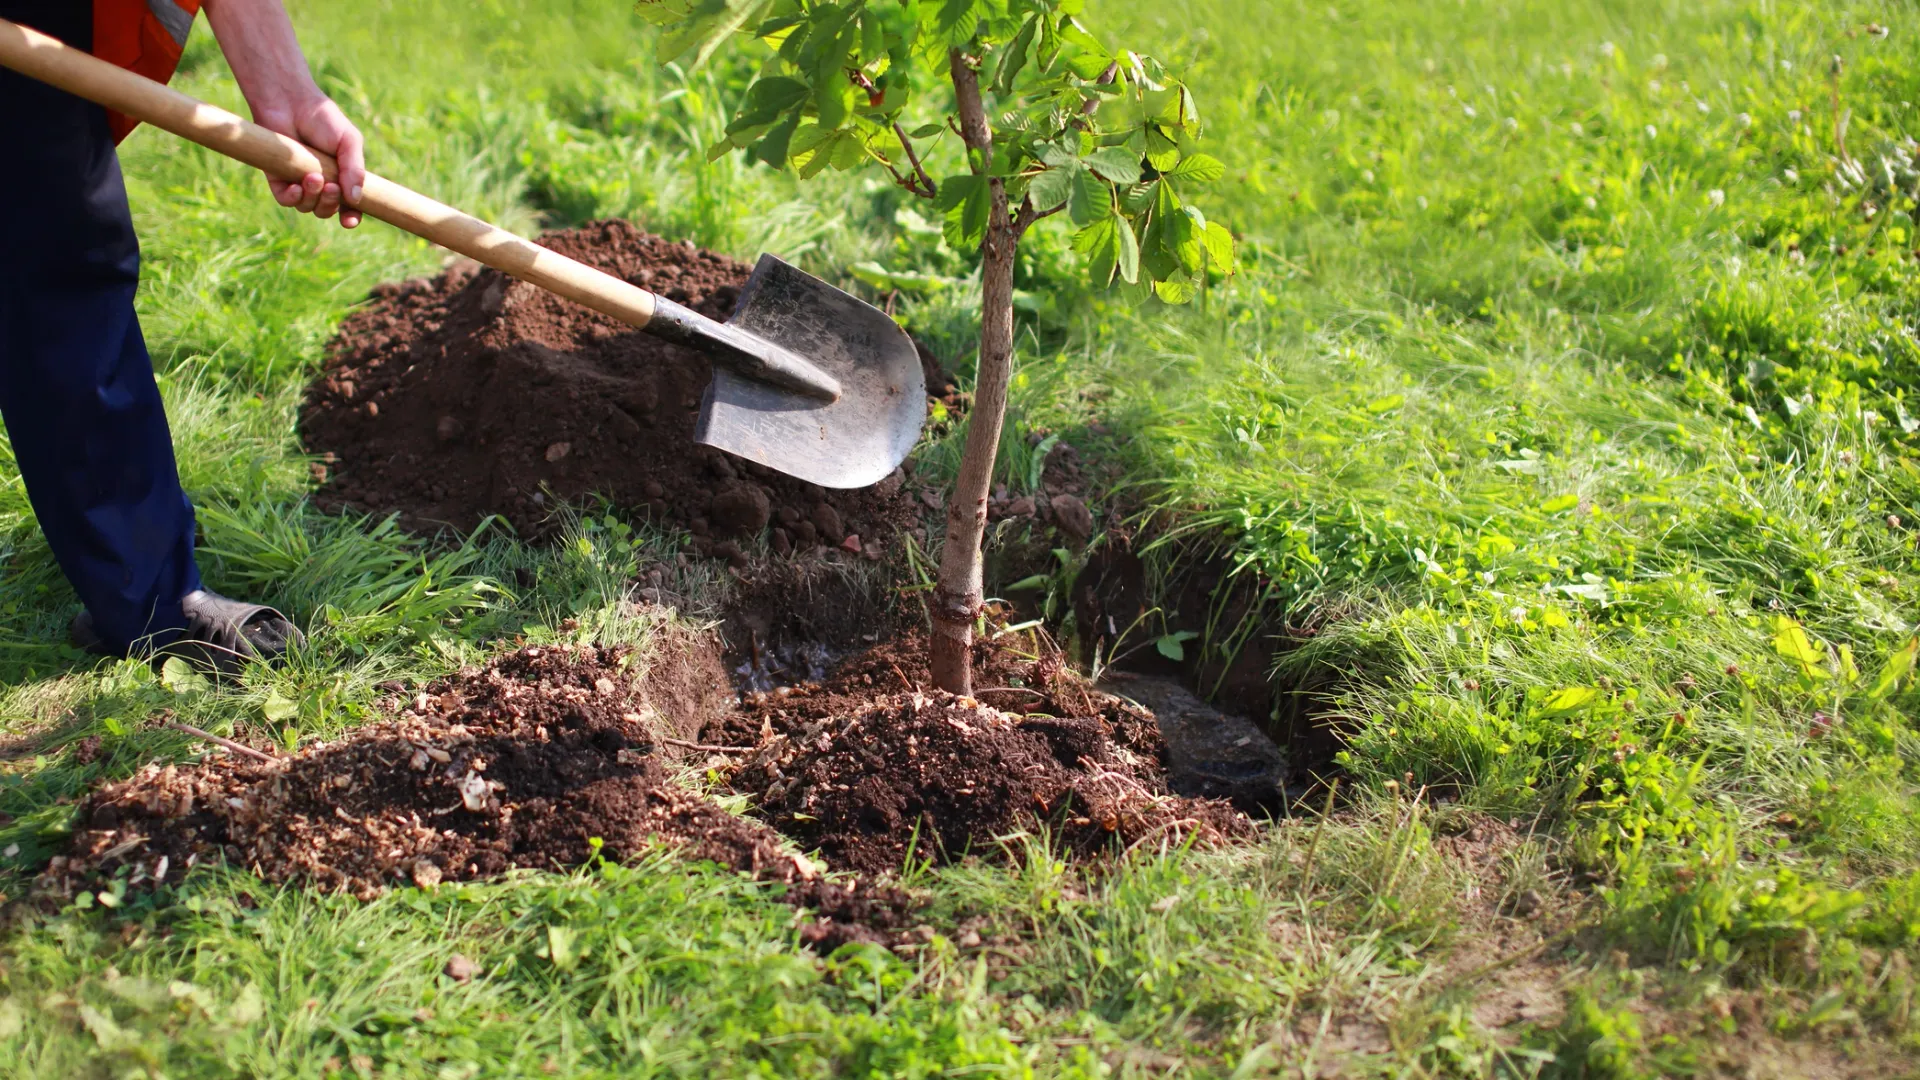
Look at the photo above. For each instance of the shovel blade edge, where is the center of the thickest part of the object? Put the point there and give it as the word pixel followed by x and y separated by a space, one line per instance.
pixel 850 443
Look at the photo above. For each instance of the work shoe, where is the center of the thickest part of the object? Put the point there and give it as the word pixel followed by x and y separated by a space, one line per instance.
pixel 221 635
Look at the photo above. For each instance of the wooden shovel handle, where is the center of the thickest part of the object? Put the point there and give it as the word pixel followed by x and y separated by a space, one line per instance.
pixel 51 61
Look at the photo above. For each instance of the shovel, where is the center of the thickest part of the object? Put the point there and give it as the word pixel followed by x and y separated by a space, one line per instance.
pixel 807 379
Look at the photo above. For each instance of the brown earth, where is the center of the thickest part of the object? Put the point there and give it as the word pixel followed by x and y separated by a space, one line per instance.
pixel 448 399
pixel 524 763
pixel 872 768
pixel 552 755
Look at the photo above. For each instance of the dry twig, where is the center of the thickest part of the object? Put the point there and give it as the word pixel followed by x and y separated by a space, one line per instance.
pixel 229 744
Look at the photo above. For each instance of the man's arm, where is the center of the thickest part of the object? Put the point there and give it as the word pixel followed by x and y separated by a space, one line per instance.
pixel 257 38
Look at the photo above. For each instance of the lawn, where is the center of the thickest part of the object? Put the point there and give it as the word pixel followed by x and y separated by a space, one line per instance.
pixel 1550 454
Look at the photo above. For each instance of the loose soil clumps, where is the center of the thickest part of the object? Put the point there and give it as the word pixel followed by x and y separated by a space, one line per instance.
pixel 470 394
pixel 874 770
pixel 542 759
pixel 552 756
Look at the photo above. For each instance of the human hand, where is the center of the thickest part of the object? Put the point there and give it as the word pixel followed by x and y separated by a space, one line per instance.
pixel 319 123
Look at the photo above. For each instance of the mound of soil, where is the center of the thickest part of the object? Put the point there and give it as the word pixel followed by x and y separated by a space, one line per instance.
pixel 871 769
pixel 524 763
pixel 470 394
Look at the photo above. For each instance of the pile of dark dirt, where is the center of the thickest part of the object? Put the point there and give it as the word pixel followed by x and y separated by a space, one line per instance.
pixel 524 763
pixel 872 769
pixel 470 394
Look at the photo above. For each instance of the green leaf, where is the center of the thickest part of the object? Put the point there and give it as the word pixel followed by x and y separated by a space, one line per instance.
pixel 1072 33
pixel 1571 699
pixel 1790 641
pixel 772 27
pixel 1898 667
pixel 1173 646
pixel 1129 253
pixel 1014 57
pixel 249 1007
pixel 1049 43
pixel 873 38
pixel 767 100
pixel 926 131
pixel 968 207
pixel 840 149
pixel 1184 234
pixel 829 65
pixel 1053 187
pixel 560 947
pixel 710 23
pixel 1162 152
pixel 911 281
pixel 1219 245
pixel 1386 404
pixel 1099 242
pixel 1560 502
pixel 1167 234
pixel 775 148
pixel 277 708
pixel 848 150
pixel 1116 164
pixel 957 20
pixel 810 138
pixel 178 676
pixel 1174 290
pixel 834 100
pixel 1199 168
pixel 955 190
pixel 1091 199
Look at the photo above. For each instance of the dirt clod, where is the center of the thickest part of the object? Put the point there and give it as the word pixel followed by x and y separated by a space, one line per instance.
pixel 1071 515
pixel 742 509
pixel 467 395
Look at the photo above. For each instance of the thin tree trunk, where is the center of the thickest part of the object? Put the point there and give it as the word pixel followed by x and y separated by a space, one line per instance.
pixel 957 591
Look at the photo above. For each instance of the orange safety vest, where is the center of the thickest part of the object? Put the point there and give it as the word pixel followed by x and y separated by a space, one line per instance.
pixel 143 36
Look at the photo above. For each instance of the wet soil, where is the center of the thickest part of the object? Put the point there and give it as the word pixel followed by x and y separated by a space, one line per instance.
pixel 540 760
pixel 877 771
pixel 469 394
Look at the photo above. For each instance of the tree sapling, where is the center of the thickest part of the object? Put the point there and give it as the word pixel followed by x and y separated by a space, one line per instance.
pixel 1049 121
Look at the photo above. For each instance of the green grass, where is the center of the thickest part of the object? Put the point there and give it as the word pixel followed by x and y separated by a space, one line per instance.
pixel 1564 393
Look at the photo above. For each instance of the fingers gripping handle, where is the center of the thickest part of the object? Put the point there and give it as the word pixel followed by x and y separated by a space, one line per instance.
pixel 51 61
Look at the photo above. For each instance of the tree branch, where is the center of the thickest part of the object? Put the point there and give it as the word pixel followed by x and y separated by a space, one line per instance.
pixel 1027 216
pixel 903 179
pixel 927 187
pixel 973 115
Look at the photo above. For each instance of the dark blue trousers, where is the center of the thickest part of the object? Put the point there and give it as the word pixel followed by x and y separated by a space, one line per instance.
pixel 76 384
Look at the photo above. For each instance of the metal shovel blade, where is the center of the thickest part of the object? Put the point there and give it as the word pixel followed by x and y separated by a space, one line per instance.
pixel 849 443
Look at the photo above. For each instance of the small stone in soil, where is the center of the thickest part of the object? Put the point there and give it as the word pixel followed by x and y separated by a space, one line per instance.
pixel 460 969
